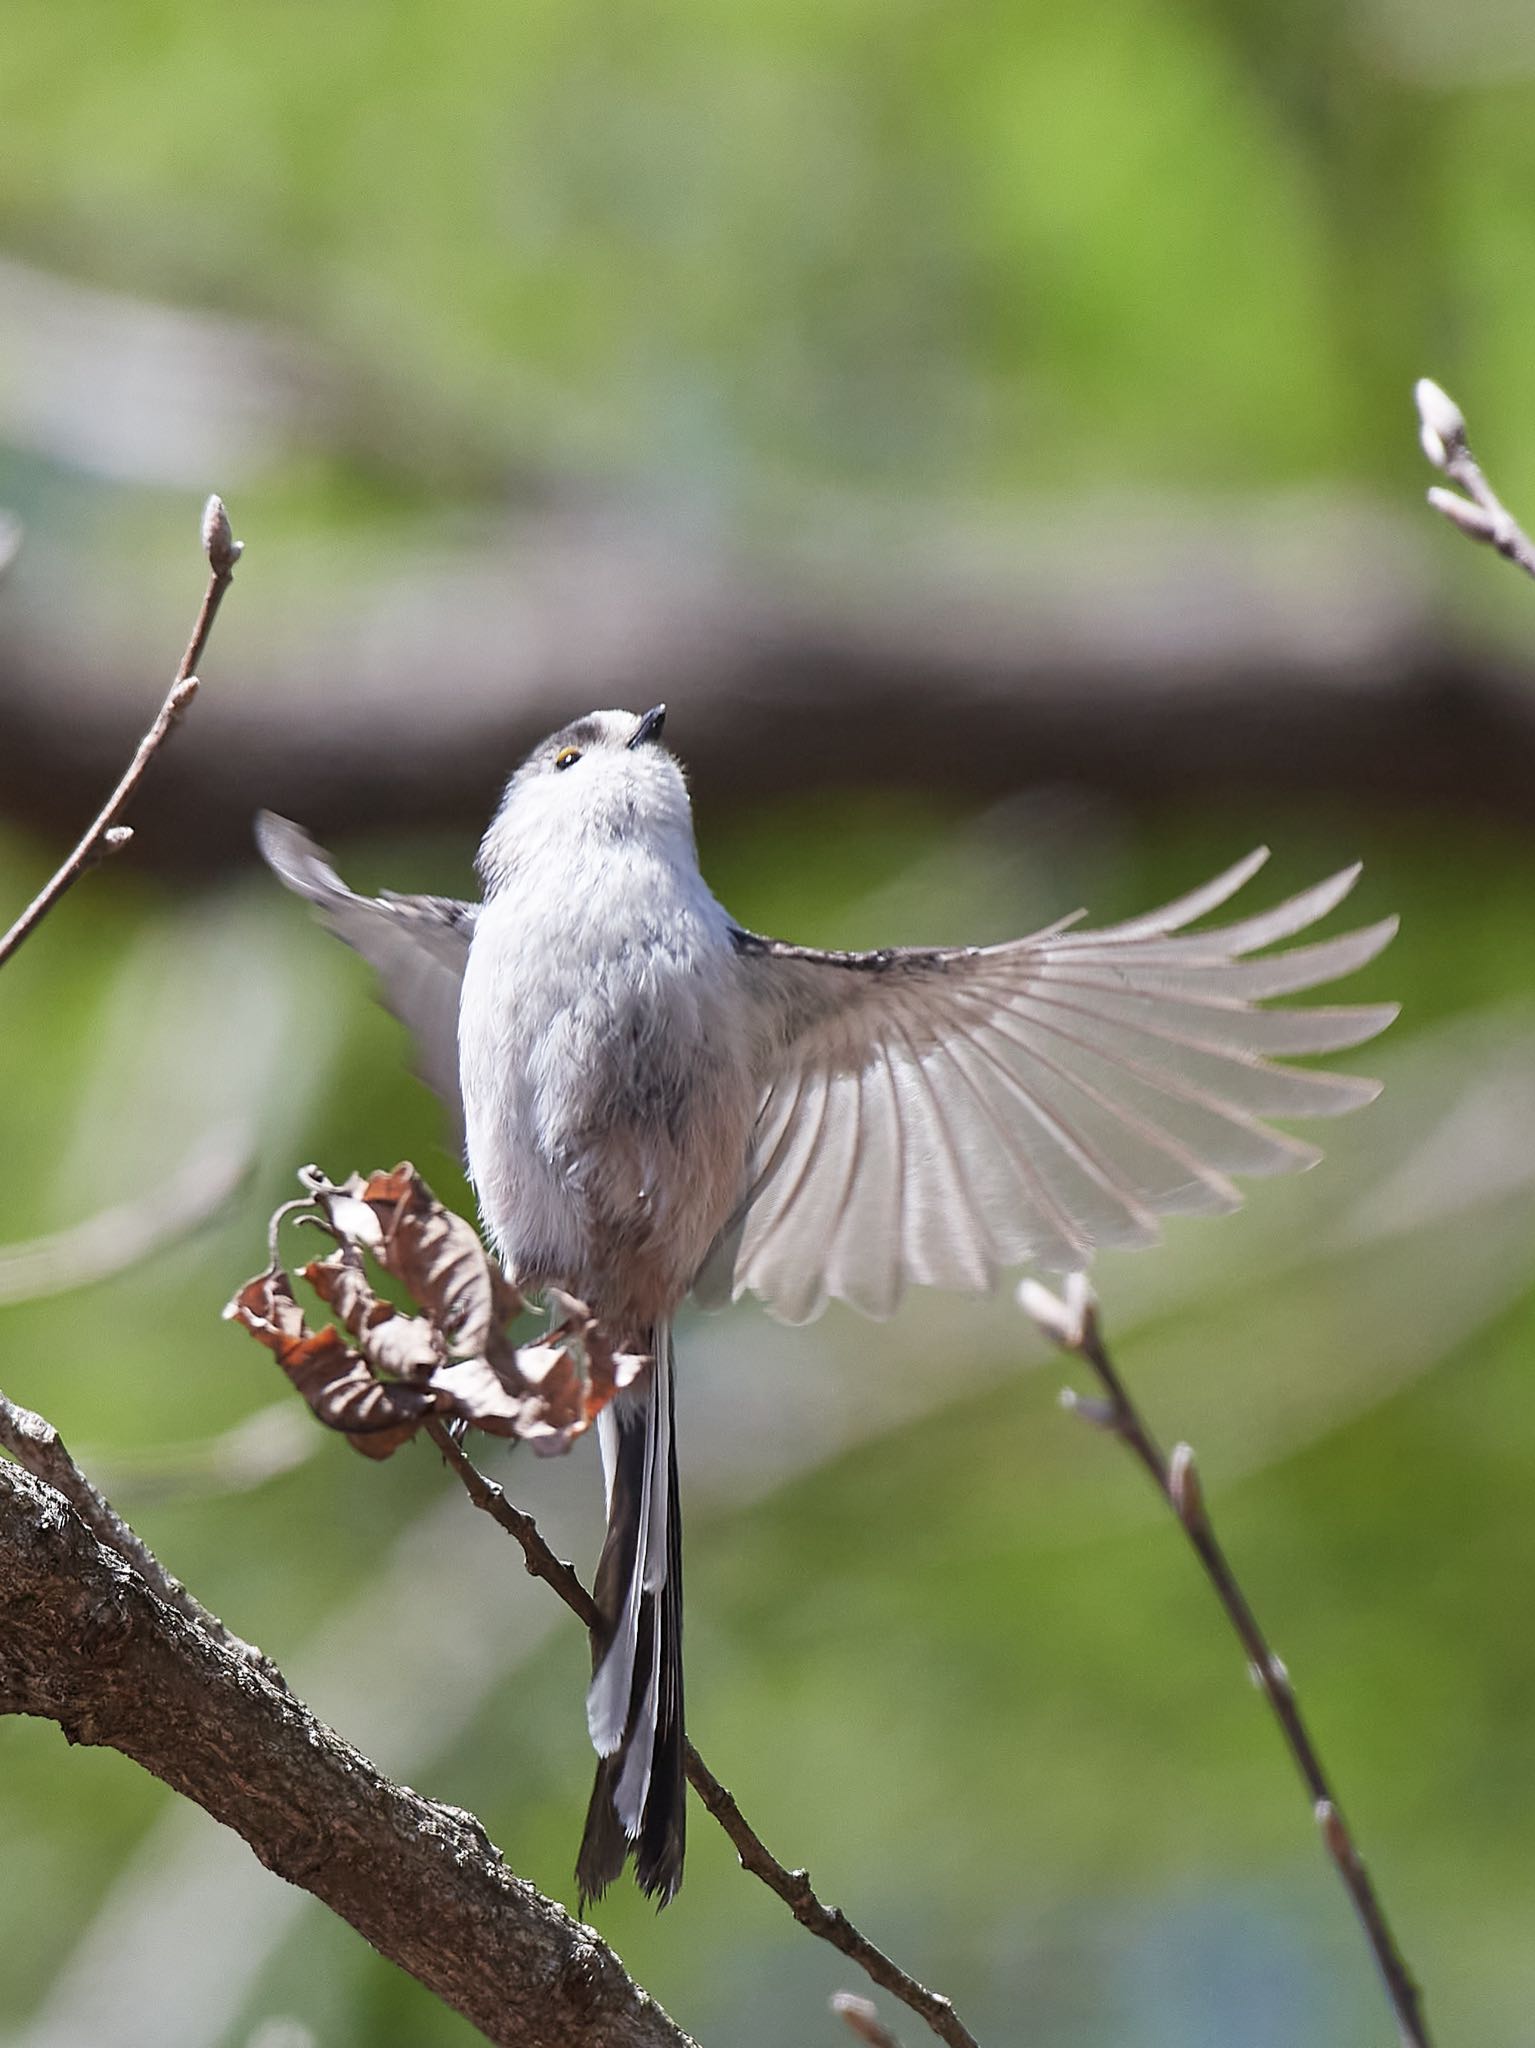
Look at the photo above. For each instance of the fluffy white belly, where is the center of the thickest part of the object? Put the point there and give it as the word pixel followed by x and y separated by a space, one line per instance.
pixel 607 1097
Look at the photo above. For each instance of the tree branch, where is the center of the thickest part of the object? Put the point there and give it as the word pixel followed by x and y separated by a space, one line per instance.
pixel 828 1923
pixel 1480 514
pixel 84 1641
pixel 394 1383
pixel 35 1444
pixel 105 835
pixel 1073 1325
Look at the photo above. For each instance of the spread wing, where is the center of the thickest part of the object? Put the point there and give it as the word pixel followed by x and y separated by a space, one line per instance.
pixel 934 1116
pixel 416 944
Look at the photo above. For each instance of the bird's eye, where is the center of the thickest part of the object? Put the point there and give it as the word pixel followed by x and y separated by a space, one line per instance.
pixel 567 757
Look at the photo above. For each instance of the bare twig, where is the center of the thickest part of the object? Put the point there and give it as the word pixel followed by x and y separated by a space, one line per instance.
pixel 1072 1323
pixel 85 1642
pixel 37 1445
pixel 269 1301
pixel 829 1923
pixel 105 835
pixel 540 1560
pixel 1480 513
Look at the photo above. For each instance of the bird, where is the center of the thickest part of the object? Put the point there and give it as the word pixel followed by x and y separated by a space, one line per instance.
pixel 656 1102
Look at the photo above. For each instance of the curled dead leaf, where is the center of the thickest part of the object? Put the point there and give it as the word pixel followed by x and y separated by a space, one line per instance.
pixel 406 1347
pixel 440 1258
pixel 338 1384
pixel 378 1375
pixel 479 1394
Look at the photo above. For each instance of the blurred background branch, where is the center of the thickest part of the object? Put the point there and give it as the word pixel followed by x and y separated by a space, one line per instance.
pixel 117 1238
pixel 861 2017
pixel 1288 641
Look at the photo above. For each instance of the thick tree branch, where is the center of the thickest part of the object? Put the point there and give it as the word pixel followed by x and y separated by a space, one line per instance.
pixel 35 1444
pixel 1072 1323
pixel 85 1642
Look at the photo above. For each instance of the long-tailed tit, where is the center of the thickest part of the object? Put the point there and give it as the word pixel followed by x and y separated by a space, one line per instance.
pixel 655 1101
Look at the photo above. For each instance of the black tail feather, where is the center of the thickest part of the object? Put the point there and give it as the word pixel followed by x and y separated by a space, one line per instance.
pixel 640 1448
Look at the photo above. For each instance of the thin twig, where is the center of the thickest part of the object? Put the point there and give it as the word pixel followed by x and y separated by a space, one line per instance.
pixel 105 835
pixel 39 1449
pixel 1480 514
pixel 538 1557
pixel 1073 1325
pixel 829 1923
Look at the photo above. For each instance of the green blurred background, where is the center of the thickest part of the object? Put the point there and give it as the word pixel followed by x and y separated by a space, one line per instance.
pixel 989 427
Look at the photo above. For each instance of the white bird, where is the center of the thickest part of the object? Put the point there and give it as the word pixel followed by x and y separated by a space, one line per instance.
pixel 655 1101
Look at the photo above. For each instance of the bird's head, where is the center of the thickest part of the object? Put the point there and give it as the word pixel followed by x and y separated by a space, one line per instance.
pixel 605 779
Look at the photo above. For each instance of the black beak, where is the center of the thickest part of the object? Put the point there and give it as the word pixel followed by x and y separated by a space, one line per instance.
pixel 649 727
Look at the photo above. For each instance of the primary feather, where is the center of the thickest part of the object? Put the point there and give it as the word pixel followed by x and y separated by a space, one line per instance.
pixel 935 1115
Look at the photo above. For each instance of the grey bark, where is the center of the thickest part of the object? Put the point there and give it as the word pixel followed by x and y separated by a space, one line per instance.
pixel 85 1643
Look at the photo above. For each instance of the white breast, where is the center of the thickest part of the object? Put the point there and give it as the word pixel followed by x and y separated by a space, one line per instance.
pixel 607 1097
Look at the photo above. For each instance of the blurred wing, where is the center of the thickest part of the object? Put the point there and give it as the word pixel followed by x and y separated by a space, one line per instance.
pixel 416 944
pixel 933 1116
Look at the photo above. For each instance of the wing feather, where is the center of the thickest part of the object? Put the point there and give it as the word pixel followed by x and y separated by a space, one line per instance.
pixel 863 1260
pixel 417 945
pixel 1171 1177
pixel 1172 917
pixel 933 1116
pixel 944 1240
pixel 1225 1072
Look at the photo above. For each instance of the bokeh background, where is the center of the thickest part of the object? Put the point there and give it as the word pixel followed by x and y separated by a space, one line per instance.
pixel 989 429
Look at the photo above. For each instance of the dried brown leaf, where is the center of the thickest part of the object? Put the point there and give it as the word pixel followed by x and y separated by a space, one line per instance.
pixel 375 1416
pixel 438 1255
pixel 477 1393
pixel 602 1371
pixel 608 1372
pixel 337 1383
pixel 555 1411
pixel 455 1358
pixel 404 1346
pixel 267 1307
pixel 347 1215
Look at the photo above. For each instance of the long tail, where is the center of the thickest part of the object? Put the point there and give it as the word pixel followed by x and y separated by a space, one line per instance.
pixel 634 1704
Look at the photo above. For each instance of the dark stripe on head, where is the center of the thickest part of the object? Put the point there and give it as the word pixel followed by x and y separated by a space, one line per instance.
pixel 582 732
